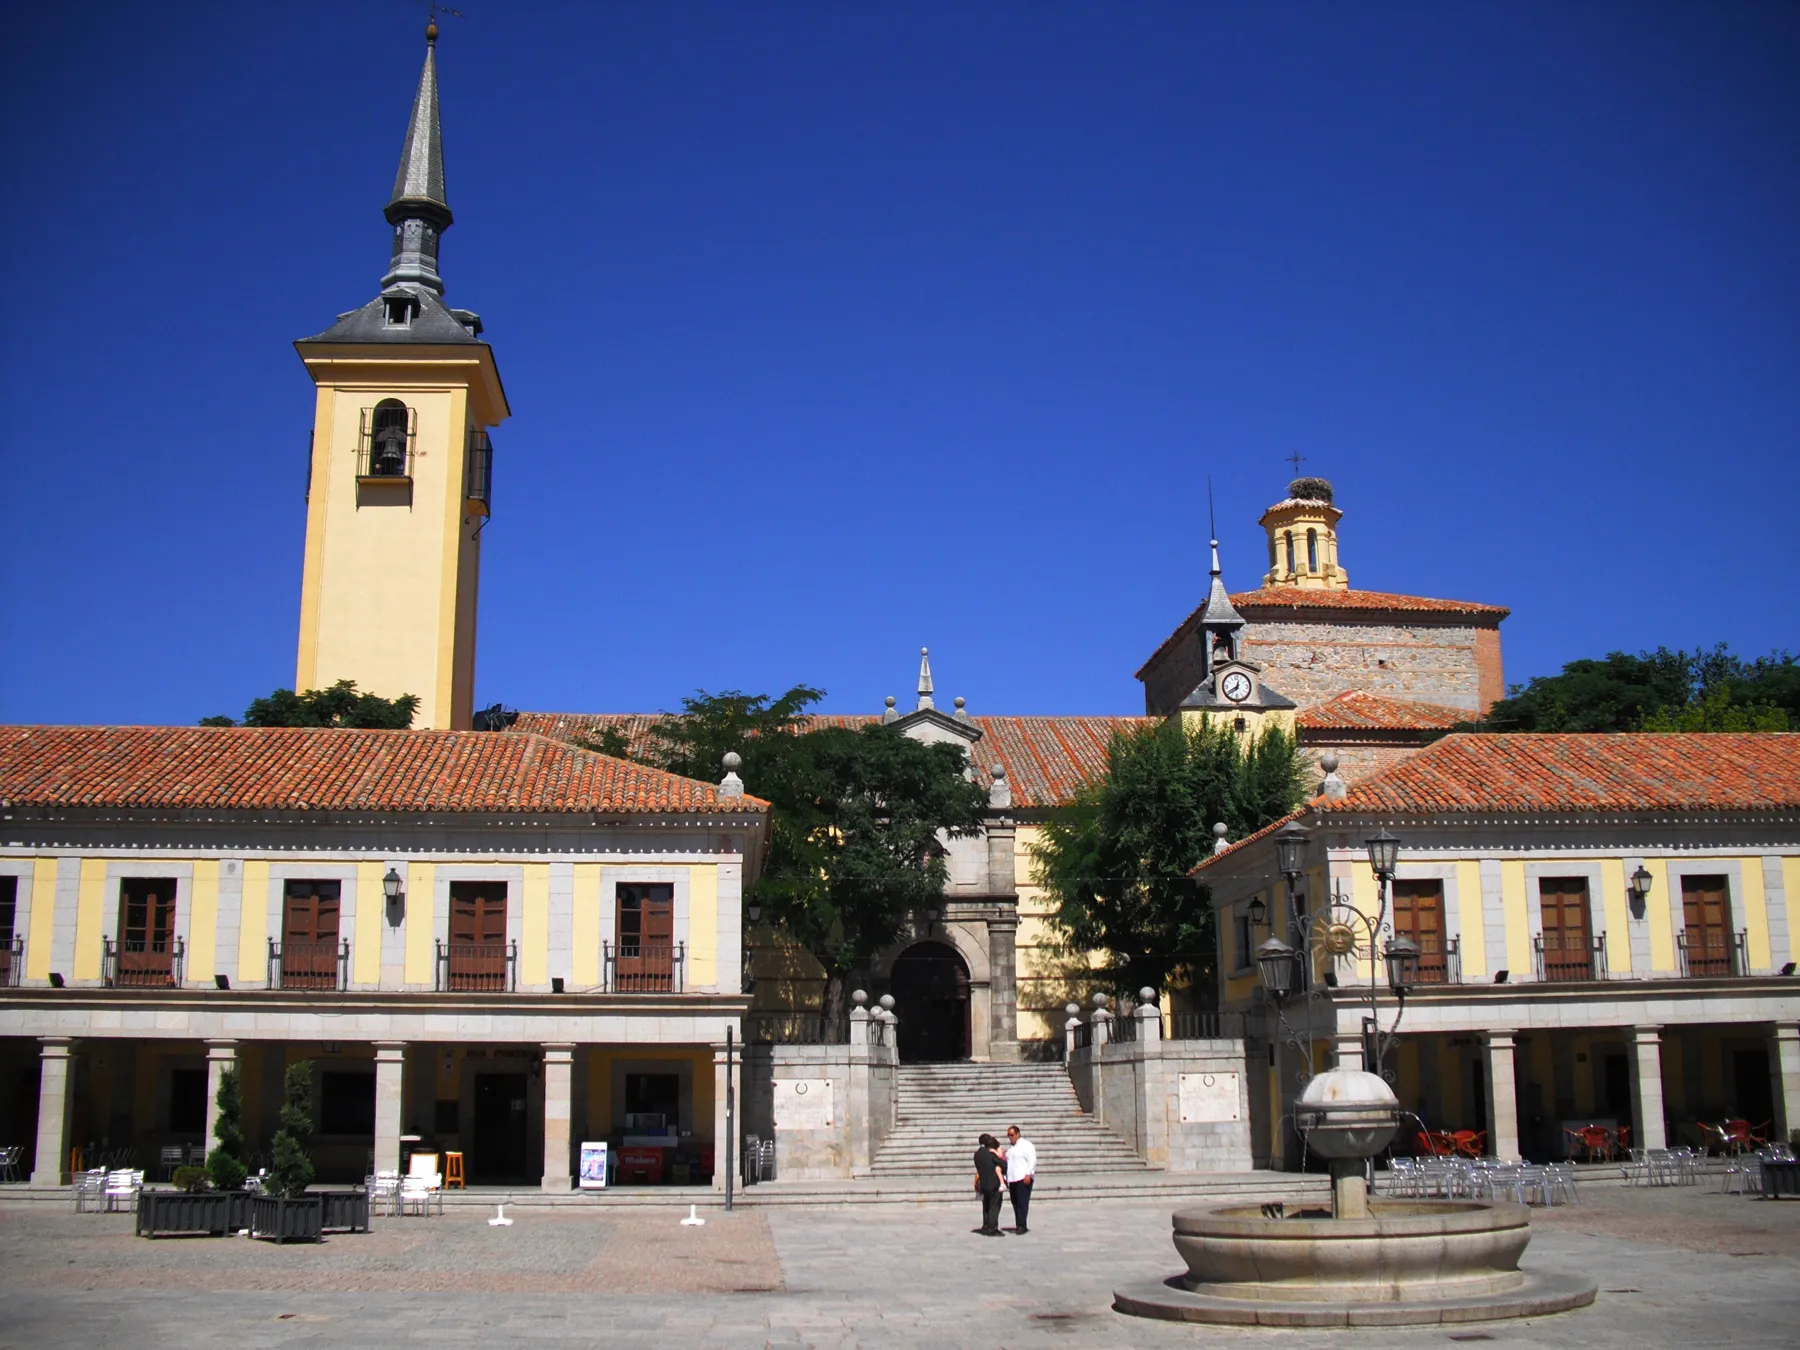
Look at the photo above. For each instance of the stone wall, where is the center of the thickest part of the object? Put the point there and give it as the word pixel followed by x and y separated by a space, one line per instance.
pixel 861 1078
pixel 1310 661
pixel 1135 1089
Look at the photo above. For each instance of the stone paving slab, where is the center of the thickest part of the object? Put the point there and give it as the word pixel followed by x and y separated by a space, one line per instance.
pixel 1675 1267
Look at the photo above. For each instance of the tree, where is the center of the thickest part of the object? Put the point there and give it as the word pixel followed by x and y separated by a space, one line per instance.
pixel 856 842
pixel 342 705
pixel 1116 863
pixel 225 1164
pixel 290 1166
pixel 1661 690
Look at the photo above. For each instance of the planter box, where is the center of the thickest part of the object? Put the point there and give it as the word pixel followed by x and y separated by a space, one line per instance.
pixel 274 1216
pixel 345 1211
pixel 186 1212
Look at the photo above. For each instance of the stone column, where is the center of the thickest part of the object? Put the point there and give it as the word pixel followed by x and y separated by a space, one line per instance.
pixel 390 1071
pixel 1003 987
pixel 1784 1065
pixel 53 1112
pixel 559 1071
pixel 220 1057
pixel 1646 1088
pixel 1502 1096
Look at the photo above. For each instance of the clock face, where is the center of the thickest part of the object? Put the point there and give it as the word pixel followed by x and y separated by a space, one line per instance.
pixel 1235 686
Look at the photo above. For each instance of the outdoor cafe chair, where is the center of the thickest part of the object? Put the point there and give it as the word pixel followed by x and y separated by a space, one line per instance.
pixel 171 1157
pixel 9 1162
pixel 1470 1143
pixel 122 1189
pixel 90 1190
pixel 420 1192
pixel 1559 1180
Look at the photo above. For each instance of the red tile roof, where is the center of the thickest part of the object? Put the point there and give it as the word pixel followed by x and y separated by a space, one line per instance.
pixel 1489 774
pixel 1275 602
pixel 1358 710
pixel 1047 759
pixel 295 769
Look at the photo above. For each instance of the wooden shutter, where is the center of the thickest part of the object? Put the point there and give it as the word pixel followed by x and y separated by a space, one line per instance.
pixel 309 935
pixel 1567 928
pixel 1419 915
pixel 146 930
pixel 1706 909
pixel 645 957
pixel 478 935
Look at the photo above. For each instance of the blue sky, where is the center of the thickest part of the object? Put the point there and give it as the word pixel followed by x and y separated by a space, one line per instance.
pixel 835 329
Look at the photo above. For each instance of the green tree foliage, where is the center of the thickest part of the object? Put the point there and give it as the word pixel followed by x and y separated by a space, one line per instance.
pixel 855 846
pixel 1116 863
pixel 225 1164
pixel 342 705
pixel 1661 690
pixel 291 1167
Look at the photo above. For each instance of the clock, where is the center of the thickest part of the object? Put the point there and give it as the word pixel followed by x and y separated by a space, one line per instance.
pixel 1235 686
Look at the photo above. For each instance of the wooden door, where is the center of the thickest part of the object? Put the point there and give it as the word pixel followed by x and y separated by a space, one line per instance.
pixel 309 935
pixel 1706 908
pixel 645 957
pixel 146 930
pixel 1568 930
pixel 1419 915
pixel 478 935
pixel 9 899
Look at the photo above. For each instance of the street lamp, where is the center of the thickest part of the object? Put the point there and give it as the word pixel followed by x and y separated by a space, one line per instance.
pixel 1384 853
pixel 1290 849
pixel 1275 963
pixel 1257 910
pixel 1402 965
pixel 755 911
pixel 390 887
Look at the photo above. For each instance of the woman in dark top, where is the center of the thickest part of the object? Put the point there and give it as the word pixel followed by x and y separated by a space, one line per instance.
pixel 989 1169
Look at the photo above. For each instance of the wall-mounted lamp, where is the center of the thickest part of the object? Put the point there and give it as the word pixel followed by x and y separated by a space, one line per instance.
pixel 755 911
pixel 222 982
pixel 1500 976
pixel 1258 911
pixel 1788 969
pixel 396 896
pixel 1639 888
pixel 56 979
pixel 556 984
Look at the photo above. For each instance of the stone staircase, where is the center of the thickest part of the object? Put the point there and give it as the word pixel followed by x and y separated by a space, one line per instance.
pixel 942 1108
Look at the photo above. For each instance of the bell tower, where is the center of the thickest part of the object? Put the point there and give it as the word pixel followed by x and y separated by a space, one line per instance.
pixel 401 476
pixel 1302 532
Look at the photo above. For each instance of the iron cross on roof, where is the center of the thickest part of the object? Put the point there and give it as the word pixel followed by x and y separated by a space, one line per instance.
pixel 1296 459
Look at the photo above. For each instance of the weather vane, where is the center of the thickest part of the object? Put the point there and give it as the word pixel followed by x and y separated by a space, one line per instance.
pixel 1296 459
pixel 434 9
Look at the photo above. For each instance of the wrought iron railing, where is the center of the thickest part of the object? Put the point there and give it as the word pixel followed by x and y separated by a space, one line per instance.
pixel 1440 967
pixel 798 1029
pixel 1124 1025
pixel 1080 1037
pixel 309 965
pixel 477 967
pixel 1561 958
pixel 154 963
pixel 632 968
pixel 1206 1026
pixel 1713 954
pixel 480 486
pixel 12 961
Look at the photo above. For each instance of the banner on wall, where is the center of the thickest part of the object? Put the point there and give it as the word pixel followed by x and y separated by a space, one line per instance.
pixel 593 1167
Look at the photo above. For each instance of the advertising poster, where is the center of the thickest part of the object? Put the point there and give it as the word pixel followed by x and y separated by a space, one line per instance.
pixel 593 1167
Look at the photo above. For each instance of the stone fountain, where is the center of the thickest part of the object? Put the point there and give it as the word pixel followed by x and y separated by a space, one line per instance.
pixel 1367 1262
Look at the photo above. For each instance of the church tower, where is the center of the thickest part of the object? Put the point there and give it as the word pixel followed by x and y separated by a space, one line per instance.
pixel 1302 532
pixel 1230 692
pixel 402 467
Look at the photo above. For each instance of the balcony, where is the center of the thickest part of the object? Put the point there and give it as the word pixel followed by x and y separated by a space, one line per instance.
pixel 12 963
pixel 138 963
pixel 1440 960
pixel 309 965
pixel 1561 959
pixel 1712 955
pixel 642 969
pixel 477 967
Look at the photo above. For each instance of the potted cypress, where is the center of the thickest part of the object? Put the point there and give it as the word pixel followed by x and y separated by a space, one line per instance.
pixel 287 1213
pixel 225 1165
pixel 208 1199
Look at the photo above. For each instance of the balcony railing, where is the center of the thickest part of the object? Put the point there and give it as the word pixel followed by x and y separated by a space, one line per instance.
pixel 1206 1026
pixel 1562 958
pixel 477 967
pixel 12 962
pixel 140 963
pixel 631 968
pixel 309 965
pixel 796 1029
pixel 1716 954
pixel 1440 967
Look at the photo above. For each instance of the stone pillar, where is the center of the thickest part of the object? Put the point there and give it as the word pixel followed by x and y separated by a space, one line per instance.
pixel 390 1071
pixel 1003 987
pixel 1646 1088
pixel 858 1118
pixel 1502 1096
pixel 220 1057
pixel 559 1071
pixel 724 1132
pixel 1784 1067
pixel 53 1112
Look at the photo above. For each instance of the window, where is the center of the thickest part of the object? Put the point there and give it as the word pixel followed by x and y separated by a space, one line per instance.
pixel 347 1103
pixel 9 900
pixel 309 936
pixel 1419 915
pixel 146 949
pixel 1312 550
pixel 1567 943
pixel 387 440
pixel 652 1102
pixel 1289 537
pixel 1244 936
pixel 644 959
pixel 477 951
pixel 1707 942
pixel 399 311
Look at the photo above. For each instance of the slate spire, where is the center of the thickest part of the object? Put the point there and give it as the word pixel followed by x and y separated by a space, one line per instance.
pixel 1220 623
pixel 420 209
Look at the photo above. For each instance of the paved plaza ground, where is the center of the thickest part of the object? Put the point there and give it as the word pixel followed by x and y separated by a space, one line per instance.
pixel 1676 1267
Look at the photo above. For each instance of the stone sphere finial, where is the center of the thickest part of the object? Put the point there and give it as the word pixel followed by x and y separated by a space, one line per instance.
pixel 1328 762
pixel 1073 1009
pixel 891 700
pixel 1099 1000
pixel 960 701
pixel 859 997
pixel 999 770
pixel 732 761
pixel 1146 995
pixel 1220 830
pixel 887 1001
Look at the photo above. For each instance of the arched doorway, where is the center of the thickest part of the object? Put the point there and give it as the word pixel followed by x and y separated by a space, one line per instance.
pixel 930 985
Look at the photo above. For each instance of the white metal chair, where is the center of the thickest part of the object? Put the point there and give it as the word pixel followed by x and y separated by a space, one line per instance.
pixel 122 1190
pixel 90 1190
pixel 384 1192
pixel 1559 1180
pixel 171 1157
pixel 420 1193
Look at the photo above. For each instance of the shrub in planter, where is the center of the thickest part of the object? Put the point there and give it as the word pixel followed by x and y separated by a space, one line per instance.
pixel 291 1171
pixel 190 1179
pixel 225 1164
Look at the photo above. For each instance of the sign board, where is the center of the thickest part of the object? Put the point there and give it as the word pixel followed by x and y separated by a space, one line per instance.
pixel 593 1166
pixel 1208 1097
pixel 803 1103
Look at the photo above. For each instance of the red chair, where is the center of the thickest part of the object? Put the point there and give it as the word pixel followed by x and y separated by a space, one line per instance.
pixel 1435 1145
pixel 1596 1140
pixel 1623 1138
pixel 1470 1143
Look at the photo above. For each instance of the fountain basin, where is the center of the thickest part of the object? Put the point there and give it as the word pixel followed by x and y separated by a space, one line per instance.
pixel 1405 1249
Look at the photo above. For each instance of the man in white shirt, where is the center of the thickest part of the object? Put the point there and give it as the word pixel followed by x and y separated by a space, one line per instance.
pixel 1021 1165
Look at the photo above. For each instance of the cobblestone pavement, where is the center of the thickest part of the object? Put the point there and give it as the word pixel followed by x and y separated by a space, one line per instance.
pixel 1675 1267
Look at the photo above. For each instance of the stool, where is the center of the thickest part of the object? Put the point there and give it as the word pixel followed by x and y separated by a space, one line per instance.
pixel 453 1172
